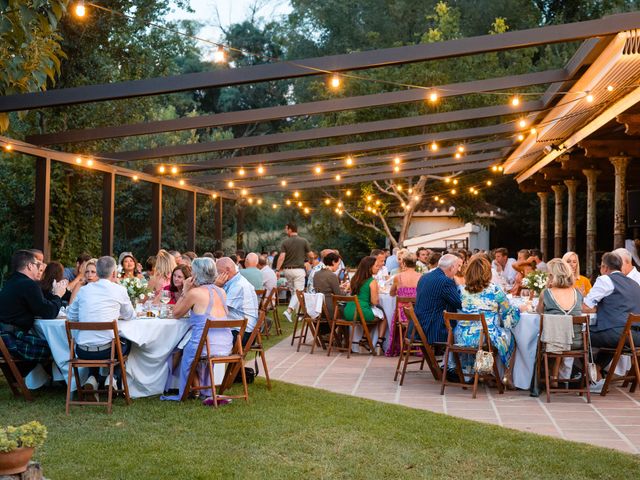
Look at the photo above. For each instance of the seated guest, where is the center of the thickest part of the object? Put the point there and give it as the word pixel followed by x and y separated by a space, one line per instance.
pixel 405 284
pixel 165 263
pixel 582 283
pixel 22 300
pixel 101 301
pixel 177 256
pixel 269 278
pixel 251 272
pixel 437 292
pixel 326 282
pixel 627 265
pixel 205 301
pixel 422 261
pixel 242 301
pixel 503 265
pixel 218 254
pixel 523 266
pixel 178 277
pixel 365 287
pixel 315 269
pixel 391 262
pixel 54 272
pixel 481 296
pixel 72 273
pixel 536 258
pixel 240 257
pixel 129 266
pixel 207 255
pixel 434 258
pixel 90 275
pixel 150 267
pixel 39 256
pixel 613 296
pixel 382 277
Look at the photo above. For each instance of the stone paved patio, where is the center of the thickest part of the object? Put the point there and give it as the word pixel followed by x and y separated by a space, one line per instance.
pixel 612 421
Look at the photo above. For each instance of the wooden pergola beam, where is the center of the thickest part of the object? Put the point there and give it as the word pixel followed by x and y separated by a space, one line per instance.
pixel 610 148
pixel 319 66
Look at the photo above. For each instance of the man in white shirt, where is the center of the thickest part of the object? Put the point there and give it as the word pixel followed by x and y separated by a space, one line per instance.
pixel 101 301
pixel 627 265
pixel 269 278
pixel 503 265
pixel 423 258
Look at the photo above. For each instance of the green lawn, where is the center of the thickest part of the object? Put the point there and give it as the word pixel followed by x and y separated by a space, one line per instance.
pixel 294 432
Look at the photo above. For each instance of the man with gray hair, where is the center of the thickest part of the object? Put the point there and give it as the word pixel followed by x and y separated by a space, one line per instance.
pixel 101 301
pixel 437 292
pixel 251 272
pixel 627 264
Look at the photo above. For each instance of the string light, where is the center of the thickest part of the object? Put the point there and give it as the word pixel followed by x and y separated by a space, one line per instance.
pixel 434 146
pixel 348 193
pixel 515 101
pixel 442 200
pixel 288 202
pixel 396 160
pixel 378 202
pixel 335 81
pixel 399 187
pixel 589 97
pixel 78 160
pixel 162 169
pixel 174 170
pixel 296 194
pixel 500 168
pixel 455 181
pixel 522 123
pixel 471 189
pixel 230 184
pixel 274 206
pixel 416 198
pixel 475 192
pixel 283 183
pixel 369 198
pixel 260 170
pixel 90 162
pixel 410 191
pixel 373 210
pixel 306 210
pixel 396 169
pixel 300 204
pixel 241 172
pixel 338 177
pixel 135 178
pixel 447 180
pixel 349 161
pixel 433 96
pixel 403 205
pixel 494 168
pixel 337 210
pixel 461 148
pixel 520 137
pixel 250 200
pixel 181 182
pixel 489 183
pixel 458 155
pixel 214 195
pixel 533 131
pixel 80 9
pixel 219 56
pixel 243 192
pixel 453 191
pixel 259 201
pixel 318 170
pixel 8 147
pixel 339 204
pixel 609 88
pixel 327 202
pixel 436 198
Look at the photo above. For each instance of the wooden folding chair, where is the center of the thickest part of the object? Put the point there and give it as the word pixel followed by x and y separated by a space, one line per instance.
pixel 337 321
pixel 261 294
pixel 116 359
pixel 9 367
pixel 484 343
pixel 411 345
pixel 626 346
pixel 298 321
pixel 311 324
pixel 559 356
pixel 271 305
pixel 234 360
pixel 401 327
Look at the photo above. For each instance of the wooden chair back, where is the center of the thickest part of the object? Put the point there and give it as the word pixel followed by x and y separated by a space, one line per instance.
pixel 116 358
pixel 626 346
pixel 9 367
pixel 310 324
pixel 358 317
pixel 415 329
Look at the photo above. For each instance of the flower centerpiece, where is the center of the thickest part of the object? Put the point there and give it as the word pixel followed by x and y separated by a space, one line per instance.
pixel 137 288
pixel 17 445
pixel 420 269
pixel 535 281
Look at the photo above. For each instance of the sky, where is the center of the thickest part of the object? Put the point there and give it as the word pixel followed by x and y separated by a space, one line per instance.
pixel 228 12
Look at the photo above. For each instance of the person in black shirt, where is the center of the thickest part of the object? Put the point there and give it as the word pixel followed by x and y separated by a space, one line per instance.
pixel 21 300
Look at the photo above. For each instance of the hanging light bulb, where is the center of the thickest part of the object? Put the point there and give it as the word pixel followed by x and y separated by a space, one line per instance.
pixel 489 183
pixel 327 202
pixel 274 206
pixel 296 194
pixel 522 123
pixel 135 178
pixel 318 170
pixel 230 184
pixel 609 88
pixel 335 81
pixel 433 96
pixel 349 161
pixel 283 183
pixel 260 170
pixel 515 101
pixel 80 10
pixel 288 202
pixel 396 169
pixel 241 172
pixel 520 137
pixel 396 160
pixel 243 192
pixel 434 146
pixel 174 170
pixel 461 148
pixel 219 56
pixel 90 162
pixel 162 169
pixel 181 182
pixel 348 193
pixel 338 177
pixel 589 97
pixel 78 160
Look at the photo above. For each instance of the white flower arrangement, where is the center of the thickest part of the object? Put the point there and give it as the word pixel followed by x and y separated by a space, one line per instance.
pixel 137 288
pixel 535 281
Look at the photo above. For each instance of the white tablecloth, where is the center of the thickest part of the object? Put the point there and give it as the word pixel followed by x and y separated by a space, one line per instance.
pixel 526 335
pixel 388 304
pixel 153 340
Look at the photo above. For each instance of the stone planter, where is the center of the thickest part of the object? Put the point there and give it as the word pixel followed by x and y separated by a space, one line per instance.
pixel 15 461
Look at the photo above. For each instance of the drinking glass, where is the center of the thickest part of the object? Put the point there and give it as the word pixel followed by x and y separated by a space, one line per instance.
pixel 165 296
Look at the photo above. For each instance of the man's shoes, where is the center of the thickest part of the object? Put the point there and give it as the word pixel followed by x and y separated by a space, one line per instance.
pixel 287 315
pixel 91 384
pixel 597 386
pixel 452 376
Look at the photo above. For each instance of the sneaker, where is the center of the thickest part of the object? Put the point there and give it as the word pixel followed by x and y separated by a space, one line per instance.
pixel 91 384
pixel 287 315
pixel 597 386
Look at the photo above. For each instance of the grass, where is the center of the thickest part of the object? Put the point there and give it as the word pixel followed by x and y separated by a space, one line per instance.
pixel 293 432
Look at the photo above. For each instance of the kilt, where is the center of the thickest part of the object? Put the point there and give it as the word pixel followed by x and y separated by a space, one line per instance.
pixel 26 346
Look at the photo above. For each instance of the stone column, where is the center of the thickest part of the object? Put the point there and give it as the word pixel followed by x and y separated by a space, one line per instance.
pixel 544 197
pixel 572 189
pixel 592 176
pixel 620 201
pixel 558 191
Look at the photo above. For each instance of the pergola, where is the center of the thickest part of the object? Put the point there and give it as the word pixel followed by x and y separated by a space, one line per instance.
pixel 585 99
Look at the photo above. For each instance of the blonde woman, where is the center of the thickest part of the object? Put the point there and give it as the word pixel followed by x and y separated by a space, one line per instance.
pixel 89 275
pixel 401 253
pixel 165 264
pixel 582 283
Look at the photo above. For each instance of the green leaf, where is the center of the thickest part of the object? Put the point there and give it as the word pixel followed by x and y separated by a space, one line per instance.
pixel 4 121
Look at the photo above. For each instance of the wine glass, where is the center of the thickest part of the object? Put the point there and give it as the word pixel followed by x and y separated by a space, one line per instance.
pixel 165 296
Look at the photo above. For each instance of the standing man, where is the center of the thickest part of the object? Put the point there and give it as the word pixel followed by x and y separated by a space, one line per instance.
pixel 293 253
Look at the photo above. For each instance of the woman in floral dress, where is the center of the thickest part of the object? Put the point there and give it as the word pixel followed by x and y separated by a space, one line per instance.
pixel 481 296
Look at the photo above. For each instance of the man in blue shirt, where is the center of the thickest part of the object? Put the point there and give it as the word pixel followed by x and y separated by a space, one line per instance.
pixel 242 300
pixel 392 261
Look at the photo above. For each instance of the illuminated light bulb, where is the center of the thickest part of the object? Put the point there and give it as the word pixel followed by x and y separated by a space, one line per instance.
pixel 283 183
pixel 241 172
pixel 219 56
pixel 458 155
pixel 442 200
pixel 533 131
pixel 80 10
pixel 447 180
pixel 181 182
pixel 8 147
pixel 399 188
pixel 78 160
pixel 471 189
pixel 453 191
pixel 433 96
pixel 403 204
pixel 214 195
pixel 338 177
pixel 296 194
pixel 306 210
pixel 337 210
pixel 489 183
pixel 250 200
pixel 260 170
pixel 230 184
pixel 373 210
pixel 378 202
pixel 135 178
pixel 522 123
pixel 475 192
pixel 369 198
pixel 407 207
pixel 515 101
pixel 410 191
pixel 500 168
pixel 455 181
pixel 349 161
pixel 396 160
pixel 396 169
pixel 416 198
pixel 318 170
pixel 335 80
pixel 327 202
pixel 259 202
pixel 300 204
pixel 434 147
pixel 274 206
pixel 494 168
pixel 520 137
pixel 288 202
pixel 90 162
pixel 162 169
pixel 368 209
pixel 174 170
pixel 243 192
pixel 609 88
pixel 339 204
pixel 461 148
pixel 436 198
pixel 348 193
pixel 589 98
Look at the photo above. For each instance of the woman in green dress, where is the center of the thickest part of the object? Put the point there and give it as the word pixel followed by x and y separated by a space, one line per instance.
pixel 365 287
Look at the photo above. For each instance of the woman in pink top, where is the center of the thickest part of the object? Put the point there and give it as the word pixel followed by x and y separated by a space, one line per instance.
pixel 405 284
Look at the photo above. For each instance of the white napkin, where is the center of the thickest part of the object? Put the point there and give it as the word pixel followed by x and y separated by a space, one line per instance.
pixel 314 303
